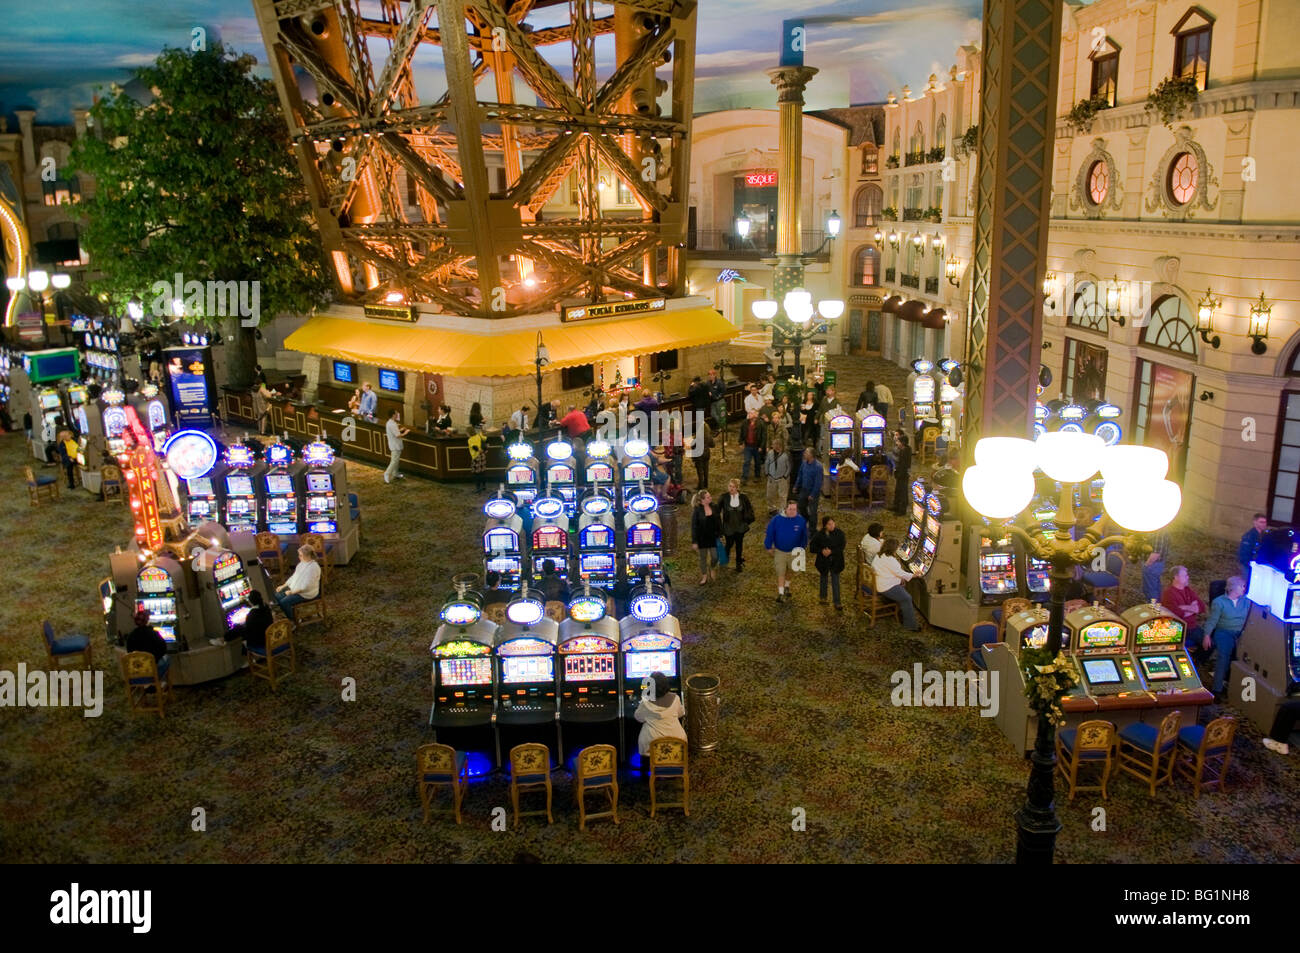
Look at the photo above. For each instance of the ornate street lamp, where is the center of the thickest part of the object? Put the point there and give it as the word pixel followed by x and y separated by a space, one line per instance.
pixel 795 317
pixel 1049 288
pixel 1205 309
pixel 1136 497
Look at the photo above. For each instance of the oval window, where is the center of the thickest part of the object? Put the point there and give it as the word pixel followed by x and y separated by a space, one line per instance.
pixel 1183 174
pixel 1098 182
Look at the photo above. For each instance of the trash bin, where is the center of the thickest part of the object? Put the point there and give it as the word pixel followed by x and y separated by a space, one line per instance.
pixel 703 702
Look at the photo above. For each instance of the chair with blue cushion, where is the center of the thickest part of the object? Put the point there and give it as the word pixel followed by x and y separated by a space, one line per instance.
pixel 1092 743
pixel 1204 752
pixel 59 650
pixel 669 762
pixel 1148 752
pixel 270 661
pixel 146 691
pixel 440 766
pixel 981 634
pixel 41 486
pixel 354 505
pixel 530 770
pixel 1105 585
pixel 597 771
pixel 1009 607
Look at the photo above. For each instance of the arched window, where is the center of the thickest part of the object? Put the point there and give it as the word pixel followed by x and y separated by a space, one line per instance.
pixel 866 266
pixel 1105 71
pixel 918 139
pixel 1171 326
pixel 1086 310
pixel 870 162
pixel 941 133
pixel 898 142
pixel 866 206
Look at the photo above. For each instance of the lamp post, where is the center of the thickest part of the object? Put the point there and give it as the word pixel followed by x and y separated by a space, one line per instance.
pixel 742 228
pixel 794 318
pixel 1136 497
pixel 542 358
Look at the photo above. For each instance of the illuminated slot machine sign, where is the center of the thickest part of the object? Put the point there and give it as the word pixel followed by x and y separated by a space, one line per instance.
pixel 600 469
pixel 321 502
pixel 1034 637
pixel 1105 424
pixel 922 390
pixel 281 495
pixel 1040 420
pixel 1155 636
pixel 1101 649
pixel 115 422
pixel 464 676
pixel 191 455
pixel 550 542
pixel 997 569
pixel 1072 416
pixel 155 594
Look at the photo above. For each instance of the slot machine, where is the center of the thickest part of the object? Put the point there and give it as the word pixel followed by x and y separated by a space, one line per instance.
pixel 600 465
pixel 223 585
pixel 1099 645
pixel 1036 573
pixel 597 541
pixel 921 387
pixel 550 536
pixel 910 545
pixel 643 540
pixel 113 421
pixel 871 435
pixel 77 402
pixel 650 639
pixel 1104 422
pixel 238 489
pixel 936 589
pixel 192 455
pixel 634 468
pixel 323 488
pixel 502 539
pixel 527 689
pixel 151 407
pixel 837 437
pixel 1040 419
pixel 1163 663
pixel 158 586
pixel 562 474
pixel 521 476
pixel 281 504
pixel 588 649
pixel 464 691
pixel 950 398
pixel 49 407
pixel 997 565
pixel 1268 651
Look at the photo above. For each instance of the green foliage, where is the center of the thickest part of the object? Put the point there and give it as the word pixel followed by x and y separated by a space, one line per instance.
pixel 889 213
pixel 1047 680
pixel 1172 97
pixel 891 162
pixel 968 141
pixel 201 181
pixel 1081 115
pixel 933 213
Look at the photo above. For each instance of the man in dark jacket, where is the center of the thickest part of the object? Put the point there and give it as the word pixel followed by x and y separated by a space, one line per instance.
pixel 902 474
pixel 753 440
pixel 808 486
pixel 827 546
pixel 718 400
pixel 253 629
pixel 698 392
pixel 145 638
pixel 1250 541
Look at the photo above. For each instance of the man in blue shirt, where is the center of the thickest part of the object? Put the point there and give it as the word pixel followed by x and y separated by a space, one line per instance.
pixel 786 532
pixel 1154 566
pixel 1223 627
pixel 1250 541
pixel 808 486
pixel 369 401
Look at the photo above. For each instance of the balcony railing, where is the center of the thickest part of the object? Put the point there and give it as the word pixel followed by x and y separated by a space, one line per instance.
pixel 910 281
pixel 932 286
pixel 866 220
pixel 915 158
pixel 889 274
pixel 913 214
pixel 704 240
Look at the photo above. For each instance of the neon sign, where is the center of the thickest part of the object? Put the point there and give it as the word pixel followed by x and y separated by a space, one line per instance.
pixel 760 179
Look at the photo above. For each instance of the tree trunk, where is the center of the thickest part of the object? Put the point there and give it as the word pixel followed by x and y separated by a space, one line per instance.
pixel 241 353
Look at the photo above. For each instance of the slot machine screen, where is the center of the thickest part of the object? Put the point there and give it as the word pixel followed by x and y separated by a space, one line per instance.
pixel 643 560
pixel 504 564
pixel 597 536
pixel 465 671
pixel 200 486
pixel 279 483
pixel 918 513
pixel 239 485
pixel 636 471
pixel 589 668
pixel 1101 671
pixel 1159 632
pixel 1034 638
pixel 841 441
pixel 560 474
pixel 929 545
pixel 1293 604
pixel 1158 668
pixel 167 632
pixel 549 537
pixel 317 504
pixel 914 531
pixel 527 668
pixel 923 390
pixel 499 540
pixel 1295 645
pixel 644 534
pixel 871 440
pixel 320 483
pixel 640 665
pixel 1101 635
pixel 519 474
pixel 596 563
pixel 932 526
pixel 602 472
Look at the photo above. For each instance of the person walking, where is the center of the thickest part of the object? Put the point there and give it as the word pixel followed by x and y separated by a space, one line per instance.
pixel 902 474
pixel 737 516
pixel 884 399
pixel 890 577
pixel 753 441
pixel 827 546
pixel 777 470
pixel 478 458
pixel 705 530
pixel 868 396
pixel 702 448
pixel 395 432
pixel 786 532
pixel 808 486
pixel 718 400
pixel 1223 627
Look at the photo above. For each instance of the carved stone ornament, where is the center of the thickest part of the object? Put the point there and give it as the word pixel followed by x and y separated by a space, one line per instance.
pixel 1166 269
pixel 1158 198
pixel 1081 198
pixel 1085 260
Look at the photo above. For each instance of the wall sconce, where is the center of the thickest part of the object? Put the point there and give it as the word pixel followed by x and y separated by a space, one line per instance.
pixel 893 240
pixel 1114 300
pixel 1205 309
pixel 937 244
pixel 918 240
pixel 1047 345
pixel 951 269
pixel 1049 284
pixel 879 237
pixel 1207 395
pixel 1258 329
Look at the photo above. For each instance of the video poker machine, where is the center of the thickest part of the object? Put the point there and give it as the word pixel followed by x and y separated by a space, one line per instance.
pixel 838 431
pixel 634 467
pixel 589 676
pixel 238 489
pixel 1268 652
pixel 77 400
pixel 549 538
pixel 464 687
pixel 151 407
pixel 527 686
pixel 1156 643
pixel 224 584
pixel 997 564
pixel 950 398
pixel 597 559
pixel 192 456
pixel 871 434
pixel 1099 641
pixel 522 476
pixel 113 421
pixel 562 474
pixel 160 588
pixel 281 502
pixel 936 590
pixel 643 539
pixel 921 391
pixel 651 641
pixel 600 465
pixel 323 488
pixel 1036 573
pixel 911 543
pixel 503 537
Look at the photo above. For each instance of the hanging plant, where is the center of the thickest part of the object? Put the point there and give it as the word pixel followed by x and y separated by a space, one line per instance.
pixel 891 162
pixel 1047 681
pixel 1081 115
pixel 969 140
pixel 1172 97
pixel 889 213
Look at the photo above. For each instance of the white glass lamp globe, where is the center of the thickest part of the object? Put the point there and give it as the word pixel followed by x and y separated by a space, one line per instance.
pixel 1006 453
pixel 1141 506
pixel 830 309
pixel 17 283
pixel 997 493
pixel 799 306
pixel 1129 462
pixel 764 310
pixel 1069 457
pixel 61 281
pixel 38 281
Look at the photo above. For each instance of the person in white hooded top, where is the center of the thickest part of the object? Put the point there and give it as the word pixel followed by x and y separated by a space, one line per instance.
pixel 660 713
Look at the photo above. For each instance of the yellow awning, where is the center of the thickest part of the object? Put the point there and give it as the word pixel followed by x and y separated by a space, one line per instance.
pixel 464 354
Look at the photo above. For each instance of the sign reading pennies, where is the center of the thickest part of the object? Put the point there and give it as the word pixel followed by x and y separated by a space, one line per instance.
pixel 586 312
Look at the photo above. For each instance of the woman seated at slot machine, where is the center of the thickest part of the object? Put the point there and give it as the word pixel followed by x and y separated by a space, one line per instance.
pixel 303 585
pixel 253 629
pixel 145 638
pixel 660 712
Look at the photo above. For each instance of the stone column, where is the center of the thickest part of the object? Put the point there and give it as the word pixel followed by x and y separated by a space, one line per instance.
pixel 790 81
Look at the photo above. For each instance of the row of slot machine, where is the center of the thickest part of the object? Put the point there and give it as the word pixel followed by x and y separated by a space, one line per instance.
pixel 854 437
pixel 533 679
pixel 117 418
pixel 622 471
pixel 1129 667
pixel 935 395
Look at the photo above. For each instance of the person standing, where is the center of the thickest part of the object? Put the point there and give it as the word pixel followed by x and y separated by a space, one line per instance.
pixel 395 434
pixel 808 419
pixel 478 458
pixel 575 423
pixel 868 396
pixel 737 516
pixel 786 532
pixel 705 530
pixel 718 400
pixel 354 402
pixel 808 486
pixel 753 441
pixel 777 470
pixel 753 399
pixel 702 444
pixel 827 545
pixel 1250 541
pixel 475 416
pixel 519 419
pixel 1181 599
pixel 1223 627
pixel 890 577
pixel 884 399
pixel 902 474
pixel 1154 567
pixel 369 401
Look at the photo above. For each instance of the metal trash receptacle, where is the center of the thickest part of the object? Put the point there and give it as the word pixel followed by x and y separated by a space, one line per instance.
pixel 703 704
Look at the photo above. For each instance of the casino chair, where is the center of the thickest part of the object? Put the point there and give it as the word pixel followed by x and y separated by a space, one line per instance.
pixel 312 610
pixel 76 647
pixel 1204 752
pixel 1147 752
pixel 530 770
pixel 845 479
pixel 1092 742
pixel 669 761
pixel 878 486
pixel 145 690
pixel 268 662
pixel 877 606
pixel 354 506
pixel 981 634
pixel 929 444
pixel 441 766
pixel 1009 607
pixel 111 484
pixel 555 609
pixel 596 771
pixel 1105 585
pixel 270 553
pixel 43 485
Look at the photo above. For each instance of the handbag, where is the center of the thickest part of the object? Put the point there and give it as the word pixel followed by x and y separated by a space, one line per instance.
pixel 721 547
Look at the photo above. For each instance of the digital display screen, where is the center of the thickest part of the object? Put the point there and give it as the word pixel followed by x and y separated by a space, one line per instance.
pixel 600 471
pixel 596 562
pixel 589 668
pixel 560 474
pixel 239 485
pixel 499 540
pixel 918 513
pixel 640 665
pixel 549 537
pixel 527 668
pixel 465 671
pixel 1101 671
pixel 519 474
pixel 506 564
pixel 1158 632
pixel 870 440
pixel 390 380
pixel 199 486
pixel 279 483
pixel 1101 635
pixel 1158 668
pixel 320 483
pixel 841 441
pixel 643 534
pixel 643 559
pixel 1034 638
pixel 932 526
pixel 345 373
pixel 1293 604
pixel 636 471
pixel 929 545
pixel 914 531
pixel 923 390
pixel 597 536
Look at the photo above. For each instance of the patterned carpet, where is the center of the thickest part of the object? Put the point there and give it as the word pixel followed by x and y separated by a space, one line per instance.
pixel 303 776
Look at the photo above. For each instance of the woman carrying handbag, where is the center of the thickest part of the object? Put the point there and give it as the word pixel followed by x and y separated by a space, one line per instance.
pixel 706 529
